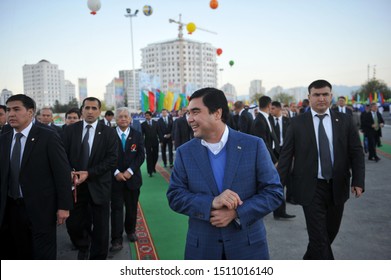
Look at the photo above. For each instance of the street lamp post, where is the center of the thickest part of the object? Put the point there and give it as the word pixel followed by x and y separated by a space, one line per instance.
pixel 130 15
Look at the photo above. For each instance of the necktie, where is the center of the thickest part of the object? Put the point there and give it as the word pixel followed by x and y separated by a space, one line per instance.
pixel 85 150
pixel 165 121
pixel 278 129
pixel 14 191
pixel 108 123
pixel 324 151
pixel 375 121
pixel 123 140
pixel 150 123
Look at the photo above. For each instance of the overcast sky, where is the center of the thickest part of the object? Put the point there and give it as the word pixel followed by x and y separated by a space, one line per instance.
pixel 281 42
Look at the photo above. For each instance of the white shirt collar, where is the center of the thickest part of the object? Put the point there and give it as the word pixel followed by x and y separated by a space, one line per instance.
pixel 215 148
pixel 119 131
pixel 94 124
pixel 25 131
pixel 315 113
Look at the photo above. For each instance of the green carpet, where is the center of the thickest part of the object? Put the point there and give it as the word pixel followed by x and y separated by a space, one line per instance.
pixel 386 148
pixel 168 228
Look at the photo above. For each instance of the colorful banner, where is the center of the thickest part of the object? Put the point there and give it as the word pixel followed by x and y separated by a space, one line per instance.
pixel 119 93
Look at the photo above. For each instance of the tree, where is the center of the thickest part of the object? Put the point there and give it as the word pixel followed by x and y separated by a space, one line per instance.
pixel 373 86
pixel 284 98
pixel 255 98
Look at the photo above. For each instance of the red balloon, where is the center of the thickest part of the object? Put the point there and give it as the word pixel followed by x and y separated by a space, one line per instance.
pixel 214 4
pixel 219 51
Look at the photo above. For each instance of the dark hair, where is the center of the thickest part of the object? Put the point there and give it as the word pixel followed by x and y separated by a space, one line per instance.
pixel 214 99
pixel 91 99
pixel 148 113
pixel 342 97
pixel 305 102
pixel 238 104
pixel 27 101
pixel 3 107
pixel 73 110
pixel 264 101
pixel 319 84
pixel 276 104
pixel 109 113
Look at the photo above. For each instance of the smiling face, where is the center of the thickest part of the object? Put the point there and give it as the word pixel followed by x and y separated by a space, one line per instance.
pixel 320 99
pixel 18 116
pixel 205 125
pixel 123 120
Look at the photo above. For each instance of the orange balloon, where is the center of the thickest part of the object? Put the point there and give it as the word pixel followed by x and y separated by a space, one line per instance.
pixel 214 4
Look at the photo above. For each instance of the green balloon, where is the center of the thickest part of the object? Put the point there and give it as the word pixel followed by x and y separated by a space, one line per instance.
pixel 231 63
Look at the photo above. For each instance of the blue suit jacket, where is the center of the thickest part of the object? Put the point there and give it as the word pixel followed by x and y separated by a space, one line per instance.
pixel 250 173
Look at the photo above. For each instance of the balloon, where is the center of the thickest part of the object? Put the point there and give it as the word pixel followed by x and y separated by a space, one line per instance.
pixel 231 62
pixel 147 10
pixel 94 6
pixel 219 51
pixel 214 4
pixel 191 27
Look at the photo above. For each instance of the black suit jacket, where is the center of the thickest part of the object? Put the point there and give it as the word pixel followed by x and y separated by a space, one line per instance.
pixel 261 129
pixel 150 134
pixel 245 121
pixel 182 131
pixel 133 157
pixel 285 124
pixel 300 147
pixel 348 111
pixel 163 128
pixel 367 122
pixel 44 176
pixel 102 160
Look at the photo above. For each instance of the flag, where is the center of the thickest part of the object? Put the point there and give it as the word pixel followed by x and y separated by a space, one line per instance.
pixel 381 97
pixel 160 100
pixel 144 101
pixel 352 98
pixel 151 99
pixel 178 103
pixel 370 98
pixel 358 98
pixel 168 101
pixel 184 99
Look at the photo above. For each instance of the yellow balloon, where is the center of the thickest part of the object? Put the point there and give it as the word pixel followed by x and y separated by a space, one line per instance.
pixel 191 27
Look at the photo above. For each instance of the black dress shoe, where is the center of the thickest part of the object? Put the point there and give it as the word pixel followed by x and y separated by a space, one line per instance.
pixel 171 165
pixel 150 175
pixel 284 216
pixel 116 247
pixel 83 254
pixel 132 237
pixel 377 159
pixel 371 158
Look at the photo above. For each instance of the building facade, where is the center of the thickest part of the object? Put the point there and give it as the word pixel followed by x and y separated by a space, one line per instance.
pixel 182 65
pixel 44 82
pixel 133 97
pixel 5 94
pixel 69 92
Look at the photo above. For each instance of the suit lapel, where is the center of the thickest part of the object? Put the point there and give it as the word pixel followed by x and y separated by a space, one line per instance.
pixel 200 155
pixel 309 124
pixel 97 140
pixel 30 143
pixel 234 154
pixel 336 124
pixel 7 150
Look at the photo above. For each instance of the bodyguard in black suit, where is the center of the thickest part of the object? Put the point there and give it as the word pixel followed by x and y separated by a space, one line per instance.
pixel 164 128
pixel 245 119
pixel 182 131
pixel 326 151
pixel 93 158
pixel 342 107
pixel 127 180
pixel 151 142
pixel 263 129
pixel 35 185
pixel 372 122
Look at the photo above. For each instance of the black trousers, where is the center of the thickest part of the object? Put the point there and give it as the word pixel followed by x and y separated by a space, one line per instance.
pixel 20 240
pixel 372 145
pixel 120 196
pixel 323 219
pixel 88 224
pixel 167 142
pixel 152 152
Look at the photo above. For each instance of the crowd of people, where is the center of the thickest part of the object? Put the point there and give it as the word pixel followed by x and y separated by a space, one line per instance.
pixel 238 167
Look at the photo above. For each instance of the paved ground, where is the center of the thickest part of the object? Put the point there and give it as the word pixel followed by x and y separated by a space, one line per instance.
pixel 364 234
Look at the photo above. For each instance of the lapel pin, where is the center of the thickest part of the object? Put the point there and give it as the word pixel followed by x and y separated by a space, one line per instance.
pixel 239 148
pixel 336 120
pixel 32 139
pixel 99 132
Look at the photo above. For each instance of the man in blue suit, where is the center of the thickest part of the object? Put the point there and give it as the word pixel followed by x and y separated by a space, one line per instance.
pixel 225 182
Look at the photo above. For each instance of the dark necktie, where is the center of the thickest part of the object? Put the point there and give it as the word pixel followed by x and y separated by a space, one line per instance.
pixel 324 151
pixel 14 191
pixel 85 150
pixel 278 129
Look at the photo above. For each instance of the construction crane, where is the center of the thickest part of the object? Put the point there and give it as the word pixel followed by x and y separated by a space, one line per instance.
pixel 180 39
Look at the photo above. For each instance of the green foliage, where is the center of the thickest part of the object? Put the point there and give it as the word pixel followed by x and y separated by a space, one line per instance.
pixel 254 99
pixel 63 108
pixel 373 86
pixel 284 98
